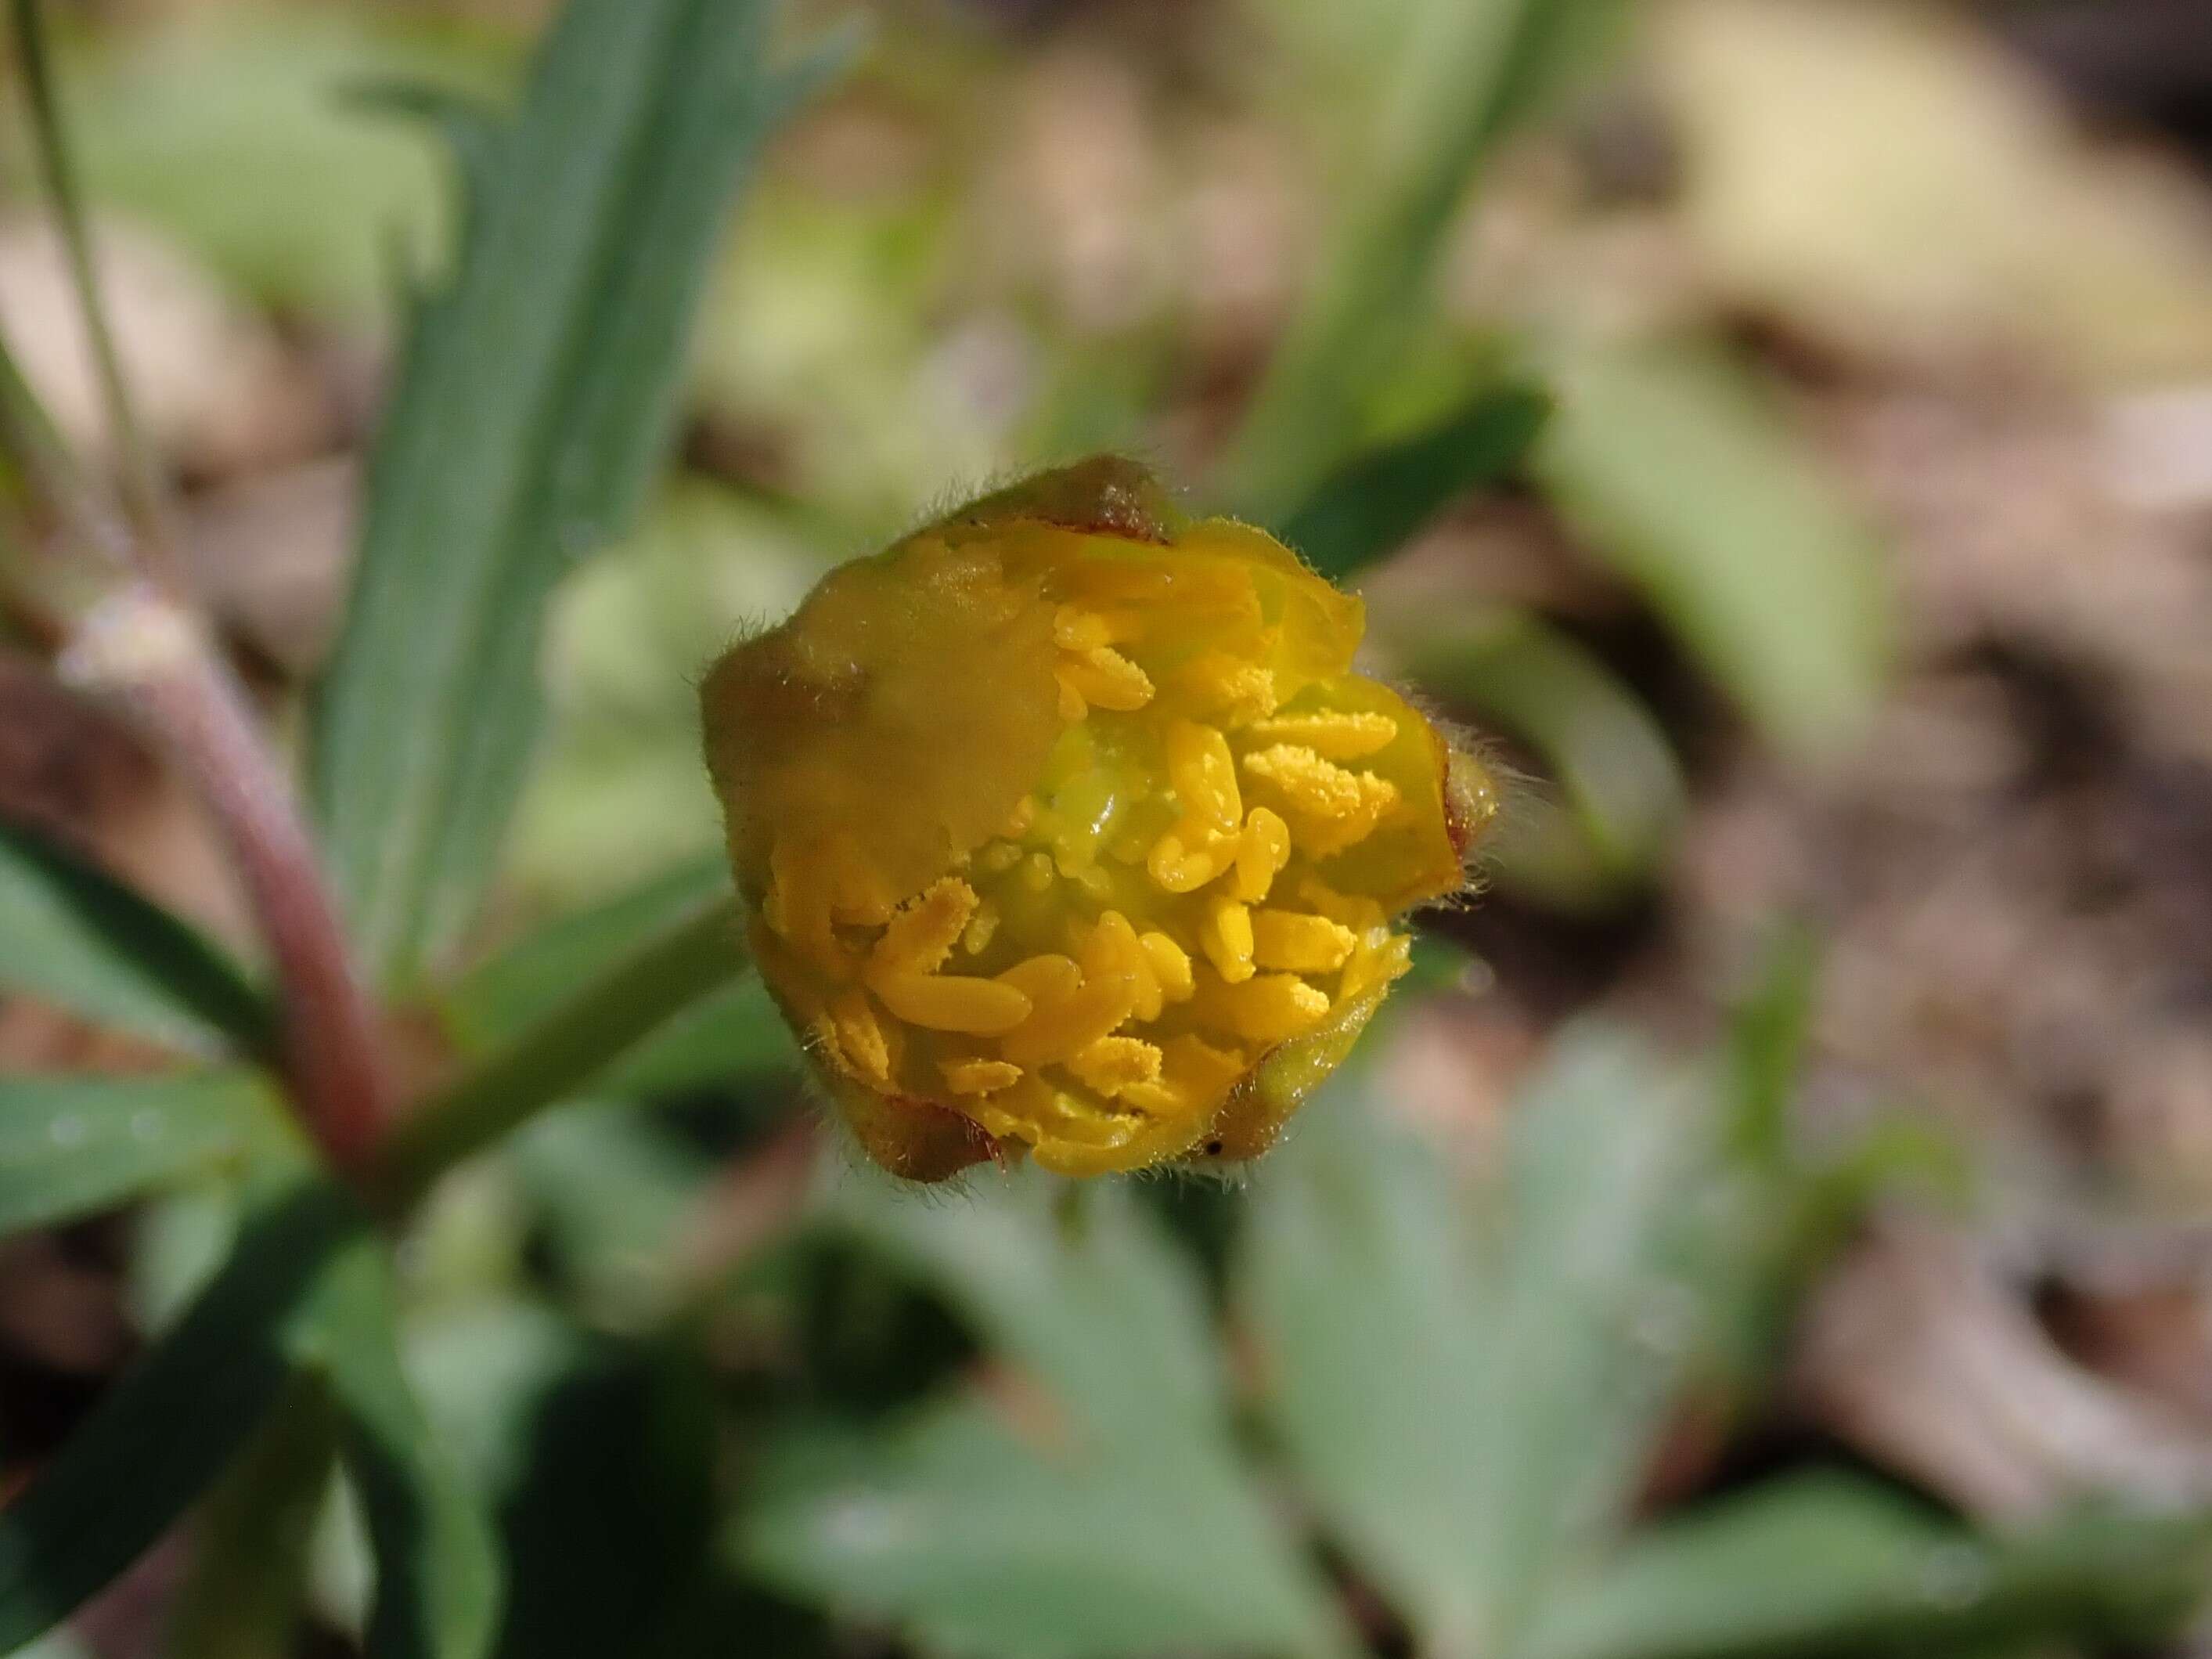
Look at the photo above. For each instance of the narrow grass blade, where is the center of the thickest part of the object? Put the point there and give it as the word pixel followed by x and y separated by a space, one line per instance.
pixel 71 1145
pixel 437 1567
pixel 163 1435
pixel 537 395
pixel 1375 504
pixel 76 937
pixel 1467 71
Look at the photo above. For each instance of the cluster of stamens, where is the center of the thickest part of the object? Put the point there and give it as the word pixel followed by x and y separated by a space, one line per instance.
pixel 1103 973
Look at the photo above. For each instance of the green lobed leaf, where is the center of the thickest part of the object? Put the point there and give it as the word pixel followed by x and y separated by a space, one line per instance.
pixel 536 398
pixel 71 1144
pixel 1672 467
pixel 1373 504
pixel 1472 1422
pixel 1359 1274
pixel 1823 1563
pixel 77 937
pixel 1110 1515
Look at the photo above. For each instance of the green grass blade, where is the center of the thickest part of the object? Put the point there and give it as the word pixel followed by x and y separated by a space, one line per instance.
pixel 1468 71
pixel 71 1145
pixel 174 1422
pixel 1373 506
pixel 244 1593
pixel 437 1566
pixel 730 1035
pixel 537 395
pixel 1674 469
pixel 73 935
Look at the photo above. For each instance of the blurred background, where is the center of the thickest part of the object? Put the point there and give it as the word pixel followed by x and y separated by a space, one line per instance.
pixel 1847 632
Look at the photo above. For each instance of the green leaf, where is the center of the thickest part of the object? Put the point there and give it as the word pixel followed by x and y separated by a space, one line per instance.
pixel 535 400
pixel 306 1293
pixel 163 1433
pixel 1359 1274
pixel 1375 504
pixel 1110 1516
pixel 731 1036
pixel 437 1563
pixel 1825 1565
pixel 1466 71
pixel 78 938
pixel 1470 1426
pixel 1672 468
pixel 1614 768
pixel 71 1144
pixel 247 1582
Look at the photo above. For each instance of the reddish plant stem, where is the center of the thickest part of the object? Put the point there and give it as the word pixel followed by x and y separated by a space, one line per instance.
pixel 149 649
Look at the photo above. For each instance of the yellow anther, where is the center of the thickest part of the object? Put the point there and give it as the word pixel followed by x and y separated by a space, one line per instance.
pixel 1185 869
pixel 1300 944
pixel 1225 936
pixel 1334 734
pixel 1072 709
pixel 1233 689
pixel 1170 966
pixel 1271 1008
pixel 946 1002
pixel 1340 807
pixel 1194 1076
pixel 1037 873
pixel 922 936
pixel 1019 820
pixel 1060 1028
pixel 1113 947
pixel 979 1077
pixel 1074 629
pixel 1204 775
pixel 1103 676
pixel 976 937
pixel 1044 979
pixel 1114 1063
pixel 861 1041
pixel 1316 786
pixel 1358 913
pixel 1261 854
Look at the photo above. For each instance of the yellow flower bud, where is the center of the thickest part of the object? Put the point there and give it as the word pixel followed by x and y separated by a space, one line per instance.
pixel 1065 824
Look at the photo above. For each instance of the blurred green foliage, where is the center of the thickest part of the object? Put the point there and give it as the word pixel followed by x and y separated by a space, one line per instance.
pixel 641 1377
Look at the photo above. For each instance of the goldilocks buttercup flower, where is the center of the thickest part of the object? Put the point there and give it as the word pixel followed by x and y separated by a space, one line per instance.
pixel 1065 824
